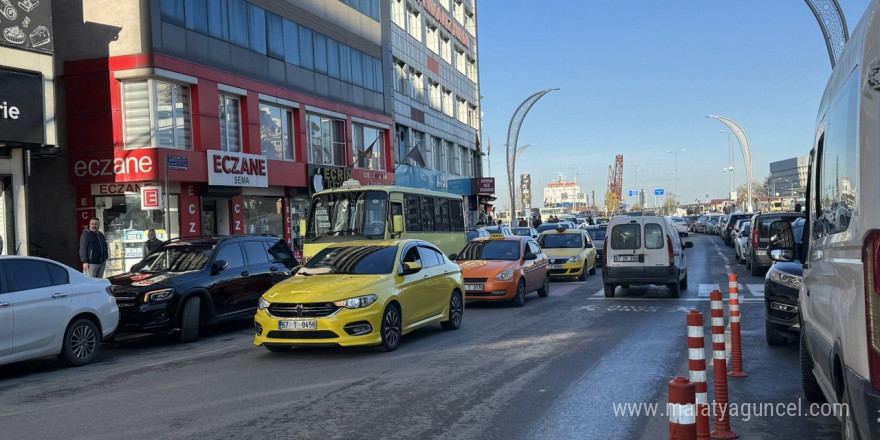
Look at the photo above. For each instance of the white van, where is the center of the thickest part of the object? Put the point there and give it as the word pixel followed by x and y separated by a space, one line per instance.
pixel 839 298
pixel 644 250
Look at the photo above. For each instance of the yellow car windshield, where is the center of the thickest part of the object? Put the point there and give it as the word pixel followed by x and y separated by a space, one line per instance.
pixel 352 260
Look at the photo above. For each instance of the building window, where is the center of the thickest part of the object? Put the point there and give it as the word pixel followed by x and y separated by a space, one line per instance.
pixel 275 35
pixel 460 60
pixel 448 103
pixel 466 166
pixel 461 111
pixel 439 154
pixel 326 140
pixel 436 99
pixel 458 11
pixel 432 38
pixel 238 23
pixel 401 83
pixel 471 69
pixel 398 15
pixel 451 158
pixel 257 28
pixel 156 114
pixel 369 147
pixel 230 123
pixel 414 19
pixel 418 85
pixel 276 132
pixel 418 140
pixel 445 48
pixel 469 23
pixel 472 116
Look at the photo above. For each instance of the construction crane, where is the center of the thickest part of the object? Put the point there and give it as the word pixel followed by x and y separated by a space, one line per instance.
pixel 614 194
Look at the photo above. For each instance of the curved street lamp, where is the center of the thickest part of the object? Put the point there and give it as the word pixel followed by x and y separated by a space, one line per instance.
pixel 512 138
pixel 833 25
pixel 747 154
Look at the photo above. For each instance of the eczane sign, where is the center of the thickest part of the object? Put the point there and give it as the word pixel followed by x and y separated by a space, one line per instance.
pixel 237 169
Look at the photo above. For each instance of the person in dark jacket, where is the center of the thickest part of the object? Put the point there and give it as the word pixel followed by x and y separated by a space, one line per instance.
pixel 152 242
pixel 93 250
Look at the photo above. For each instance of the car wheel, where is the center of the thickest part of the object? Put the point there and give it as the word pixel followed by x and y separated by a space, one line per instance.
pixel 773 336
pixel 674 290
pixel 189 321
pixel 609 290
pixel 81 343
pixel 583 275
pixel 755 270
pixel 683 284
pixel 808 381
pixel 277 348
pixel 545 288
pixel 593 269
pixel 392 328
pixel 520 299
pixel 456 309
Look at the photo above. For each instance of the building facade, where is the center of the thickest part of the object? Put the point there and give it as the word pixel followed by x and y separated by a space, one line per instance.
pixel 788 177
pixel 436 96
pixel 564 194
pixel 28 130
pixel 233 111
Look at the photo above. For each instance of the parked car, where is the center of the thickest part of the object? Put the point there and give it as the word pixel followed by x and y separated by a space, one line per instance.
pixel 597 236
pixel 690 221
pixel 679 224
pixel 644 250
pixel 193 281
pixel 47 308
pixel 711 224
pixel 741 240
pixel 525 231
pixel 731 223
pixel 503 230
pixel 369 292
pixel 781 286
pixel 722 223
pixel 504 269
pixel 700 224
pixel 553 226
pixel 757 259
pixel 570 251
pixel 476 233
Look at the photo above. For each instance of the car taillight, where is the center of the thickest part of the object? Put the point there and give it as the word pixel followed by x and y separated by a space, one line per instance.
pixel 871 267
pixel 669 251
pixel 604 246
pixel 755 238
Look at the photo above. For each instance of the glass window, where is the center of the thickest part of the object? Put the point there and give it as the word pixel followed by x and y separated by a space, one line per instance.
pixel 196 15
pixel 58 274
pixel 257 28
pixel 428 224
pixel 238 22
pixel 561 241
pixel 505 250
pixel 379 77
pixel 176 257
pixel 445 48
pixel 456 216
pixel 369 147
pixel 451 158
pixel 432 39
pixel 326 140
pixel 230 123
pixel 354 260
pixel 172 11
pixel 218 19
pixel 414 23
pixel 653 236
pixel 441 215
pixel 357 68
pixel 626 236
pixel 345 62
pixel 401 135
pixel 413 256
pixel 232 254
pixel 27 274
pixel 276 133
pixel 413 216
pixel 439 154
pixel 333 58
pixel 306 51
pixel 398 12
pixel 320 45
pixel 279 253
pixel 262 215
pixel 275 35
pixel 154 106
pixel 255 252
pixel 401 83
pixel 126 225
pixel 367 65
pixel 291 42
pixel 430 257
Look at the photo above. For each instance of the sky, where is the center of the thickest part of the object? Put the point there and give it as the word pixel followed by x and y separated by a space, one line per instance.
pixel 638 77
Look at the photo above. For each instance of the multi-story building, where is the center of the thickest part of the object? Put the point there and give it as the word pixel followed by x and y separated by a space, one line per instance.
pixel 564 194
pixel 29 163
pixel 436 98
pixel 234 110
pixel 787 176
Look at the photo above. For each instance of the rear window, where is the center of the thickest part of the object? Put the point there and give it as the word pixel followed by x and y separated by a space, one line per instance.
pixel 764 224
pixel 596 234
pixel 626 236
pixel 653 236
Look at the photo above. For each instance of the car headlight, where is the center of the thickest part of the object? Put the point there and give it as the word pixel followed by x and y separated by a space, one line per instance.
pixel 356 303
pixel 263 304
pixel 785 279
pixel 574 259
pixel 506 275
pixel 157 296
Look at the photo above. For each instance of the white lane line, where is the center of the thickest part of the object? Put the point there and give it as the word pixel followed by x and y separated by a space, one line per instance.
pixel 756 289
pixel 741 300
pixel 599 293
pixel 705 289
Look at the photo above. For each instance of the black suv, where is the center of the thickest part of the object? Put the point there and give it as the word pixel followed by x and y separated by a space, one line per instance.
pixel 193 281
pixel 756 256
pixel 731 222
pixel 781 290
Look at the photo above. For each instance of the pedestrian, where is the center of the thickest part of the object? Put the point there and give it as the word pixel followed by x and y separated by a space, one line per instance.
pixel 797 208
pixel 152 242
pixel 538 221
pixel 522 223
pixel 93 250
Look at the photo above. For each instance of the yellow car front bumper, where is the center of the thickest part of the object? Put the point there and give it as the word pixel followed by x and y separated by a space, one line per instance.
pixel 345 327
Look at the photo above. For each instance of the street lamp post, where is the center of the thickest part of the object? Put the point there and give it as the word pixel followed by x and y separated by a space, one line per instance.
pixel 675 153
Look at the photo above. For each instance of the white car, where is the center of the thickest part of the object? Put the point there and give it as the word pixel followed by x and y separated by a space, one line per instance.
pixel 741 241
pixel 679 224
pixel 47 308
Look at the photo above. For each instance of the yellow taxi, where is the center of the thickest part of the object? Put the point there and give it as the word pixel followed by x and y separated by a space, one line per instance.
pixel 368 292
pixel 570 251
pixel 503 268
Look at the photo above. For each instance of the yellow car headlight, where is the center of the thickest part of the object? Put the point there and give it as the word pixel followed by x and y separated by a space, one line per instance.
pixel 356 303
pixel 575 259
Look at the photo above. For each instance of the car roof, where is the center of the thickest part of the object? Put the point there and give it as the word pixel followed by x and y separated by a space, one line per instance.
pixel 566 231
pixel 505 238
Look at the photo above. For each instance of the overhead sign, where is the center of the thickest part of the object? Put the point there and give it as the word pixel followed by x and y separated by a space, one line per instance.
pixel 177 162
pixel 21 107
pixel 658 192
pixel 151 198
pixel 226 168
pixel 324 177
pixel 106 189
pixel 633 193
pixel 485 186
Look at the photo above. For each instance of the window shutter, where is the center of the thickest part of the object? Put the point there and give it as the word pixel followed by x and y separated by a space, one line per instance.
pixel 136 104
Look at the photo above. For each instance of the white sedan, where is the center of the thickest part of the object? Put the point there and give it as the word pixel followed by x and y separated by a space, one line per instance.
pixel 47 308
pixel 742 241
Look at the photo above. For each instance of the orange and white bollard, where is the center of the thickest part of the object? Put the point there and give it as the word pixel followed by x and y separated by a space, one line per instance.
pixel 719 364
pixel 697 371
pixel 735 335
pixel 681 410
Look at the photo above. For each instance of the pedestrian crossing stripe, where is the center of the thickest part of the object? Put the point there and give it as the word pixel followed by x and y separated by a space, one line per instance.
pixel 756 289
pixel 706 289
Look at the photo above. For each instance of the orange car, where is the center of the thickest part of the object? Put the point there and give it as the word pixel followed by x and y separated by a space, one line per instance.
pixel 504 268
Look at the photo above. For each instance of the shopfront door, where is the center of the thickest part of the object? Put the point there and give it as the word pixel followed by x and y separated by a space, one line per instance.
pixel 215 216
pixel 125 225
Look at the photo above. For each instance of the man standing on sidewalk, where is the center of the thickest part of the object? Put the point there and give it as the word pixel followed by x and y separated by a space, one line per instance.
pixel 93 250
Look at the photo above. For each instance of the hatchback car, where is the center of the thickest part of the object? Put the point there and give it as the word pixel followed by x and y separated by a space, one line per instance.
pixel 679 224
pixel 570 251
pixel 47 308
pixel 502 268
pixel 597 236
pixel 194 281
pixel 362 293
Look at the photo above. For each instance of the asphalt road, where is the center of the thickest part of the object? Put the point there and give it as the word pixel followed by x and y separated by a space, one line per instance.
pixel 554 368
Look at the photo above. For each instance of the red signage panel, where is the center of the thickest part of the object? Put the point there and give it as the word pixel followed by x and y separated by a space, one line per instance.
pixel 190 214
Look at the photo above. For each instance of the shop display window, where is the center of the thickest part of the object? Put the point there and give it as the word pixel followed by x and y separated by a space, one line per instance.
pixel 262 215
pixel 125 225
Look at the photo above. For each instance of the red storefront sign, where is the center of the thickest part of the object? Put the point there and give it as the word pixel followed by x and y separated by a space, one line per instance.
pixel 190 215
pixel 485 186
pixel 373 177
pixel 151 198
pixel 237 224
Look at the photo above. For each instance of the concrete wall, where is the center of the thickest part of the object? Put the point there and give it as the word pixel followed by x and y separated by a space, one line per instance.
pixel 99 28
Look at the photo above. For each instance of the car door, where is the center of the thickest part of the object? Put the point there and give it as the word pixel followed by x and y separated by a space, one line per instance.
pixel 6 316
pixel 655 240
pixel 39 308
pixel 228 287
pixel 260 278
pixel 413 306
pixel 438 285
pixel 533 268
pixel 590 251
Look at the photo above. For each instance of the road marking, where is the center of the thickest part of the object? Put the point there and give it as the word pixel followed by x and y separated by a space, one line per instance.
pixel 741 300
pixel 705 289
pixel 756 290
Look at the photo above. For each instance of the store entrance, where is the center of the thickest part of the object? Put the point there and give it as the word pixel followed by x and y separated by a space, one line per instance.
pixel 215 216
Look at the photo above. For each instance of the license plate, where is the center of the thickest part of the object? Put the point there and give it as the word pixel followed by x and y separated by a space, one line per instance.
pixel 626 258
pixel 298 325
pixel 555 266
pixel 474 287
